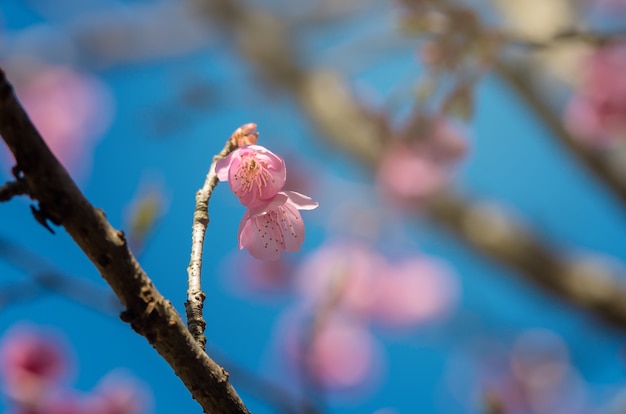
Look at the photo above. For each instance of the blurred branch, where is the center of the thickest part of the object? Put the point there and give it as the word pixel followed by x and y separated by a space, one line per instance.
pixel 147 311
pixel 609 173
pixel 195 295
pixel 18 292
pixel 43 275
pixel 570 35
pixel 327 100
pixel 12 189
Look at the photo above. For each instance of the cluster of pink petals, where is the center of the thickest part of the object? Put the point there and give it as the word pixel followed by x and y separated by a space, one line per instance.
pixel 254 174
pixel 401 294
pixel 596 114
pixel 272 223
pixel 70 109
pixel 33 365
pixel 351 286
pixel 415 168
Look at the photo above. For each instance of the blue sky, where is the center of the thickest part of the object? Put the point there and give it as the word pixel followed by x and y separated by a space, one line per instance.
pixel 513 160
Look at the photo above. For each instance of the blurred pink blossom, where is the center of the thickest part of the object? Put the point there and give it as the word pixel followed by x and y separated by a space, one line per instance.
pixel 421 163
pixel 270 229
pixel 254 174
pixel 345 271
pixel 31 363
pixel 118 393
pixel 414 291
pixel 596 114
pixel 337 354
pixel 362 283
pixel 70 109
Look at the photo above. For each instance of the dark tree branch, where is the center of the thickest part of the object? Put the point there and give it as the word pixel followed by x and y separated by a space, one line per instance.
pixel 147 311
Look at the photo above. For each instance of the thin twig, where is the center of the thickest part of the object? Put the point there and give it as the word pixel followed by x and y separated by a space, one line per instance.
pixel 12 189
pixel 195 295
pixel 147 311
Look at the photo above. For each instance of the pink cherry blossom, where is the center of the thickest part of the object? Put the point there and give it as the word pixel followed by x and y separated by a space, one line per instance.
pixel 274 227
pixel 341 354
pixel 254 174
pixel 406 174
pixel 345 271
pixel 596 114
pixel 414 291
pixel 422 160
pixel 31 363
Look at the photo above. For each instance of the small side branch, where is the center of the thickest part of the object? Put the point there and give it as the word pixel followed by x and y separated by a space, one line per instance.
pixel 246 134
pixel 195 295
pixel 12 189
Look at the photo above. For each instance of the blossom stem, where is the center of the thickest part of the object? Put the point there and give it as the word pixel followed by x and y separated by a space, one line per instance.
pixel 195 295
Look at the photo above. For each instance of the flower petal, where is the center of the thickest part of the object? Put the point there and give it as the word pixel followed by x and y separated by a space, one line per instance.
pixel 223 166
pixel 300 201
pixel 261 236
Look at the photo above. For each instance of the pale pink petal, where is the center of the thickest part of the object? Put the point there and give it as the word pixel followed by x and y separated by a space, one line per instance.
pixel 300 201
pixel 275 202
pixel 223 166
pixel 261 236
pixel 269 229
pixel 292 227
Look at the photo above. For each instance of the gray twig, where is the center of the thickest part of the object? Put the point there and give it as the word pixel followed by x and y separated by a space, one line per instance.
pixel 195 295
